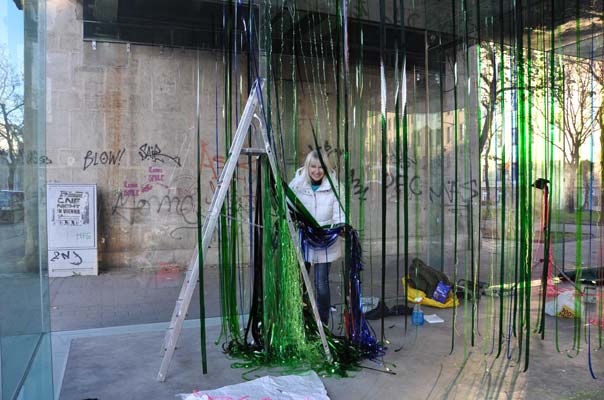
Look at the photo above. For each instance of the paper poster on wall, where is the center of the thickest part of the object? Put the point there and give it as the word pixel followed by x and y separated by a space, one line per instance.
pixel 72 233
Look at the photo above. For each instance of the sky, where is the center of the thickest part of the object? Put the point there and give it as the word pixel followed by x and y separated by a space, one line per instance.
pixel 11 32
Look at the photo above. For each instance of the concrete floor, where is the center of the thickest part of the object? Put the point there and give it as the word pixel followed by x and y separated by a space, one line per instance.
pixel 124 366
pixel 107 331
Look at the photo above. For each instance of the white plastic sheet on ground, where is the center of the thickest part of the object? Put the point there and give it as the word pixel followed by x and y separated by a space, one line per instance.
pixel 564 306
pixel 290 387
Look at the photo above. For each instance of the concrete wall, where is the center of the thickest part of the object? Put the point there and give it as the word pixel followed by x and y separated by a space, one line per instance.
pixel 125 117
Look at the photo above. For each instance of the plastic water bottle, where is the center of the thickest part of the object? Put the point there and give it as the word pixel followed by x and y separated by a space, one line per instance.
pixel 417 317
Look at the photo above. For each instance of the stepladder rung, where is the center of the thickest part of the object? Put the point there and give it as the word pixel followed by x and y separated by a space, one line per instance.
pixel 253 151
pixel 188 276
pixel 179 311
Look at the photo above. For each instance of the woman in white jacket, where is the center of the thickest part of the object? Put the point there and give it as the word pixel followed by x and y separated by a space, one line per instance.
pixel 313 189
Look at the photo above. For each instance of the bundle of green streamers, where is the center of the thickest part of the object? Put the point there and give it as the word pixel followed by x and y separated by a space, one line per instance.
pixel 289 334
pixel 285 338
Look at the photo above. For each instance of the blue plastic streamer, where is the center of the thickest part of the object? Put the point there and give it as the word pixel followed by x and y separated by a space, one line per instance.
pixel 358 329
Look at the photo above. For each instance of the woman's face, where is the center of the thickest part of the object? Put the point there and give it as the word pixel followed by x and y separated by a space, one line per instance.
pixel 315 170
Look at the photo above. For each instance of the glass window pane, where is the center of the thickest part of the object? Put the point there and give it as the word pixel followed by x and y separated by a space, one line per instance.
pixel 24 323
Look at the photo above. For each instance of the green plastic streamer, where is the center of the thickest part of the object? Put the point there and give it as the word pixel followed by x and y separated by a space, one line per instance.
pixel 383 152
pixel 455 173
pixel 503 188
pixel 551 125
pixel 202 308
pixel 468 272
pixel 347 179
pixel 228 229
pixel 526 229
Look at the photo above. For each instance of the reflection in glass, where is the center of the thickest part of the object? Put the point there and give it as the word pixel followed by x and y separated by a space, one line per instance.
pixel 24 324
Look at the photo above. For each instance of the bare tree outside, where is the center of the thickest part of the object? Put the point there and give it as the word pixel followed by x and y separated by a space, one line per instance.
pixel 495 78
pixel 580 105
pixel 488 101
pixel 11 117
pixel 597 72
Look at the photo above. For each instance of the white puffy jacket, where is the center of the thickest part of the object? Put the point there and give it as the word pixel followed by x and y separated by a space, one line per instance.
pixel 324 207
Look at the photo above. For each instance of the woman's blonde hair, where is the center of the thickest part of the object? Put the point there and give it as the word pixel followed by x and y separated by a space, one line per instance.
pixel 314 156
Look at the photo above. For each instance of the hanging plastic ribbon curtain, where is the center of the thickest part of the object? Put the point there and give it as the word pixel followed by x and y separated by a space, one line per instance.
pixel 439 125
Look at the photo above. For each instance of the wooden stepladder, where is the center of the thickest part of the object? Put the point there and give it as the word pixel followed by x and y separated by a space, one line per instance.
pixel 254 103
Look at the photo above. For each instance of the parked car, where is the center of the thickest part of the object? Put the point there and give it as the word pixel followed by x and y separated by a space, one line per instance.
pixel 11 206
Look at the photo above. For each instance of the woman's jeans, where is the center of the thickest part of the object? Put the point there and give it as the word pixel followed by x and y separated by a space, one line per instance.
pixel 322 288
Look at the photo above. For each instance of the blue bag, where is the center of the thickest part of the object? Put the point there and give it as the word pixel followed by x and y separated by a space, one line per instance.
pixel 441 292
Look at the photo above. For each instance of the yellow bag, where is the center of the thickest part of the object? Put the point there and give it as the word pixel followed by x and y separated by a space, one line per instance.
pixel 412 293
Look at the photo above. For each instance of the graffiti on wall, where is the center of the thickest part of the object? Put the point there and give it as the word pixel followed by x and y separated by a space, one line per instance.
pixel 110 157
pixel 70 256
pixel 155 177
pixel 29 157
pixel 94 158
pixel 443 193
pixel 177 195
pixel 155 154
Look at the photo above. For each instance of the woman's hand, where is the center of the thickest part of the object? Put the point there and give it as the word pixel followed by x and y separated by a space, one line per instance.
pixel 343 229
